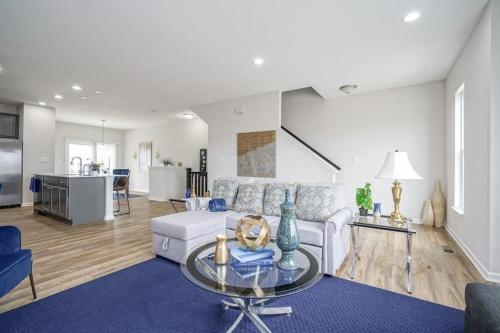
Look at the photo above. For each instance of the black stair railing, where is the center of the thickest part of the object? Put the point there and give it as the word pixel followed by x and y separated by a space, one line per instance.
pixel 197 180
pixel 323 157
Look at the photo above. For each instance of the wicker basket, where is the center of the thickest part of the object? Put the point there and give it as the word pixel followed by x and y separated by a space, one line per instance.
pixel 438 206
pixel 428 214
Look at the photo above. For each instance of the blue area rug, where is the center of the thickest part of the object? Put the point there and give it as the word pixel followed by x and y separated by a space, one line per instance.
pixel 155 297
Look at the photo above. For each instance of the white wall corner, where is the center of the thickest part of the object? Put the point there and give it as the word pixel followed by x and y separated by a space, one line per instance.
pixel 485 273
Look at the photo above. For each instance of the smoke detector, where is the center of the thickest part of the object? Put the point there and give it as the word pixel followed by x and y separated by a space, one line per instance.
pixel 348 88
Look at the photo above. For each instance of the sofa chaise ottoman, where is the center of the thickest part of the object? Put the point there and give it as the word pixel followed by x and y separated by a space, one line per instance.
pixel 320 213
pixel 175 234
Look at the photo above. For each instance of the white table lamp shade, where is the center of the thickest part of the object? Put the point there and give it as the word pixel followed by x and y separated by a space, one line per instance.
pixel 397 166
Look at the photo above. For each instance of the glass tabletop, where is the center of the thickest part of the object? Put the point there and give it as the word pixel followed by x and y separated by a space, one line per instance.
pixel 265 281
pixel 382 223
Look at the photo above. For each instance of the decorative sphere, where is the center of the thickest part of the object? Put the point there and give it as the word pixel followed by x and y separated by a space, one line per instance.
pixel 247 237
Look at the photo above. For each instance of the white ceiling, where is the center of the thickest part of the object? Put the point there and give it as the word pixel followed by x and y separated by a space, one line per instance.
pixel 172 55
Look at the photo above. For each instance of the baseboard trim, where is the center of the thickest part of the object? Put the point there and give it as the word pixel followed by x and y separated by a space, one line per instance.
pixel 157 199
pixel 417 221
pixel 487 275
pixel 138 190
pixel 27 204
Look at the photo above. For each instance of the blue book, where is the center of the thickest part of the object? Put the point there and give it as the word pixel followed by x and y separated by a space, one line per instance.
pixel 244 255
pixel 246 272
pixel 260 262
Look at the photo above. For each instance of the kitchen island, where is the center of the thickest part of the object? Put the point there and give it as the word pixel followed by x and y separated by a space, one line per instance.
pixel 74 198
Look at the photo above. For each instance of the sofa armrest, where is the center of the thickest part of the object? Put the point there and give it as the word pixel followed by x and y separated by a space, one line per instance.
pixel 340 218
pixel 10 239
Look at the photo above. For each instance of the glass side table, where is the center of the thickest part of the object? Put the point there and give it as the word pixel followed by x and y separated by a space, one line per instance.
pixel 382 223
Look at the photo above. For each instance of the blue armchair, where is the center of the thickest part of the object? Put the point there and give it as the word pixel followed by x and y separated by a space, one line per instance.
pixel 15 263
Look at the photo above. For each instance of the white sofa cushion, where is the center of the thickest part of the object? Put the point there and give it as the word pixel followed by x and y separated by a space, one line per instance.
pixel 310 232
pixel 275 196
pixel 250 198
pixel 232 219
pixel 225 188
pixel 315 202
pixel 190 224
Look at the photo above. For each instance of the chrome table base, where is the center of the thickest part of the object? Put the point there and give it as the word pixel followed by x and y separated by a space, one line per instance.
pixel 252 309
pixel 355 257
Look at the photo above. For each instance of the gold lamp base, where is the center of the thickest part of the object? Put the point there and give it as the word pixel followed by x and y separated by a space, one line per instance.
pixel 396 216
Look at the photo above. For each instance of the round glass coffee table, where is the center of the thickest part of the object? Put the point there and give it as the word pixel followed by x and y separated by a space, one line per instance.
pixel 251 289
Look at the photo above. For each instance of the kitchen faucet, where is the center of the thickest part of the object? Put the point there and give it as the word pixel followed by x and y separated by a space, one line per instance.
pixel 80 171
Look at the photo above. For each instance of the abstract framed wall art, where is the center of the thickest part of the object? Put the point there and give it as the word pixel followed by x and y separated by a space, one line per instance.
pixel 257 154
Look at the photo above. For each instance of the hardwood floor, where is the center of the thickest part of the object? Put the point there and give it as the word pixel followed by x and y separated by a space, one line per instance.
pixel 438 276
pixel 66 256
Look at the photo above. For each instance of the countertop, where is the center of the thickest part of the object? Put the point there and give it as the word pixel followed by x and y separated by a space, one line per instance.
pixel 71 175
pixel 167 167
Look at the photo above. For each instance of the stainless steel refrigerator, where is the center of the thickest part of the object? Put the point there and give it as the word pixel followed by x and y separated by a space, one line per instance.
pixel 11 172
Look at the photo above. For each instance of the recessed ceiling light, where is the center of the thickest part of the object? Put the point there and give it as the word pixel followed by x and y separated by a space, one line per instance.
pixel 76 87
pixel 42 103
pixel 188 116
pixel 97 92
pixel 58 96
pixel 258 61
pixel 410 17
pixel 348 88
pixel 83 97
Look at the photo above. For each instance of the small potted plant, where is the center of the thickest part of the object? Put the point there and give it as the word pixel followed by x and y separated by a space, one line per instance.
pixel 364 199
pixel 95 167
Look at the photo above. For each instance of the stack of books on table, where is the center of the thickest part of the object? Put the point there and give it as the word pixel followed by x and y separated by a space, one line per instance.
pixel 245 262
pixel 245 257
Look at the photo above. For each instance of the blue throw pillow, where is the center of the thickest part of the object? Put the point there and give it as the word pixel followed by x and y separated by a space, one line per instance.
pixel 217 205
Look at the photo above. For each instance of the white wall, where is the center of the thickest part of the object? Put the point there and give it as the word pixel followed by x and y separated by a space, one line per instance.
pixel 260 113
pixel 84 133
pixel 177 139
pixel 477 230
pixel 357 131
pixel 38 143
pixel 7 108
pixel 495 140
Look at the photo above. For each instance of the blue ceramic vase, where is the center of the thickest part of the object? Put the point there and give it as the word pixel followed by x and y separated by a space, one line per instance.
pixel 377 212
pixel 287 237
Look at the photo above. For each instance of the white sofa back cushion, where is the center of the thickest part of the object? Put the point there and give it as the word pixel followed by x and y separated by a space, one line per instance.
pixel 250 198
pixel 315 202
pixel 275 196
pixel 226 188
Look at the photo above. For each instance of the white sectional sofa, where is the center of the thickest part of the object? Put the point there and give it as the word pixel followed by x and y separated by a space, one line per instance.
pixel 320 212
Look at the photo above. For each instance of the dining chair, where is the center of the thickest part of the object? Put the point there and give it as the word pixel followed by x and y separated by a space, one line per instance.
pixel 121 182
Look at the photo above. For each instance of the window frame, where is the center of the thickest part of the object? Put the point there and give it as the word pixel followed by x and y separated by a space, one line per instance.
pixel 69 141
pixel 459 151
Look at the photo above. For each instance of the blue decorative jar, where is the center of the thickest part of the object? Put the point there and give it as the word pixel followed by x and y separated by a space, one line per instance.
pixel 287 237
pixel 377 213
pixel 217 205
